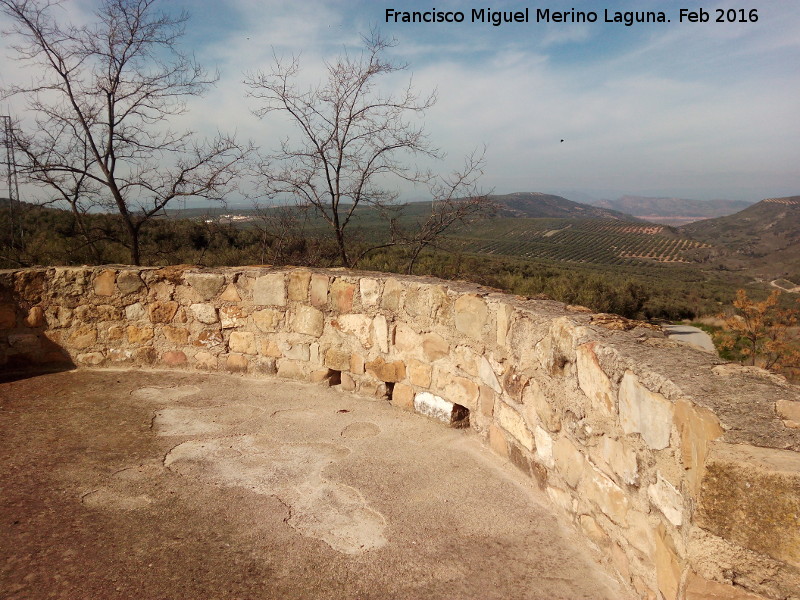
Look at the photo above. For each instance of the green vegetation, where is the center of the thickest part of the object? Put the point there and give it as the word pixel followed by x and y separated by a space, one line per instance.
pixel 591 241
pixel 631 287
pixel 763 333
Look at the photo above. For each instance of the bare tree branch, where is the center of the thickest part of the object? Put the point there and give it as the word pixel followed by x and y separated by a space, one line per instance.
pixel 350 136
pixel 102 97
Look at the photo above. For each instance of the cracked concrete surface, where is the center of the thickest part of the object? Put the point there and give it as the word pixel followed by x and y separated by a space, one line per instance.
pixel 171 485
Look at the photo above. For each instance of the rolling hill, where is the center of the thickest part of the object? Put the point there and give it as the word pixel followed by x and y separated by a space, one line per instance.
pixel 764 237
pixel 535 205
pixel 672 211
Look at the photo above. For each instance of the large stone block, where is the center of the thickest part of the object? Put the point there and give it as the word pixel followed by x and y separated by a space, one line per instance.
pixel 236 363
pixel 298 285
pixel 301 352
pixel 8 316
pixel 489 377
pixel 419 373
pixel 208 338
pixel 612 500
pixel 135 312
pixel 308 320
pixel 667 499
pixel 355 326
pixel 232 316
pixel 337 358
pixel 319 290
pixel 544 447
pixel 269 348
pixel 129 282
pixel 751 496
pixel 645 412
pixel 698 428
pixel 538 407
pixel 270 290
pixel 243 342
pixel 440 409
pixel 668 565
pixel 699 588
pixel 291 369
pixel 205 361
pixel 207 285
pixel 417 303
pixel 91 359
pixel 403 396
pixel 139 335
pixel 83 337
pixel 434 346
pixel 504 313
pixel 357 364
pixel 370 291
pixel 162 312
pixel 569 461
pixel 174 358
pixel 104 282
pixel 640 533
pixel 513 422
pixel 35 317
pixel 471 315
pixel 380 333
pixel 392 295
pixel 386 371
pixel 461 390
pixel 175 335
pixel 592 379
pixel 341 295
pixel 267 320
pixel 497 440
pixel 406 339
pixel 205 313
pixel 619 459
pixel 231 294
pixel 92 313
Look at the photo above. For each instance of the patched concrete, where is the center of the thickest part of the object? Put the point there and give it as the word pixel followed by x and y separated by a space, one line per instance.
pixel 131 484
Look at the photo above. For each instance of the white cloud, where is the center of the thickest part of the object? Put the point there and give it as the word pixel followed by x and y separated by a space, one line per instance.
pixel 707 110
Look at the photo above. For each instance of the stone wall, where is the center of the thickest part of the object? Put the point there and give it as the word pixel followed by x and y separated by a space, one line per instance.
pixel 685 471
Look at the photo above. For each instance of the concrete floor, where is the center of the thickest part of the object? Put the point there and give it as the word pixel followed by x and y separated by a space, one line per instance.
pixel 155 485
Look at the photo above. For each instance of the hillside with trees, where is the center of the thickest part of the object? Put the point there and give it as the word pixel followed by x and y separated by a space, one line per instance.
pixel 763 239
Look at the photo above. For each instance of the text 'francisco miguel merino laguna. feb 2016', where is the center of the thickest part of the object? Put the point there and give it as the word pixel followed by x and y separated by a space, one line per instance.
pixel 546 15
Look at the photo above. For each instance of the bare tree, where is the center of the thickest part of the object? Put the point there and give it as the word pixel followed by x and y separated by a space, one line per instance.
pixel 102 99
pixel 457 200
pixel 351 137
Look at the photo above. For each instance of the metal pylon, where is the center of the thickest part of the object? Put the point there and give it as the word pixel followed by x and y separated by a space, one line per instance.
pixel 13 184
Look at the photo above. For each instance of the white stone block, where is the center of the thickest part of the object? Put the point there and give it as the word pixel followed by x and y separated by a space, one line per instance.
pixel 438 408
pixel 667 499
pixel 205 313
pixel 370 291
pixel 380 332
pixel 487 375
pixel 645 412
pixel 270 290
pixel 544 447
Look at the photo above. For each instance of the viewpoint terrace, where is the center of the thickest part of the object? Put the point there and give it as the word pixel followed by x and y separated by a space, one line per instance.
pixel 682 470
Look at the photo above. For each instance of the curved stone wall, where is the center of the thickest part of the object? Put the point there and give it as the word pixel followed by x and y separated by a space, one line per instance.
pixel 684 470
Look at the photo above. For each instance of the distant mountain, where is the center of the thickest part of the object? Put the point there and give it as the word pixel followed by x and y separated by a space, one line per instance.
pixel 536 205
pixel 672 211
pixel 765 235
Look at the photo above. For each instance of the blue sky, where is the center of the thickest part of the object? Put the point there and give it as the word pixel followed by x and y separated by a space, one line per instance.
pixel 694 110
